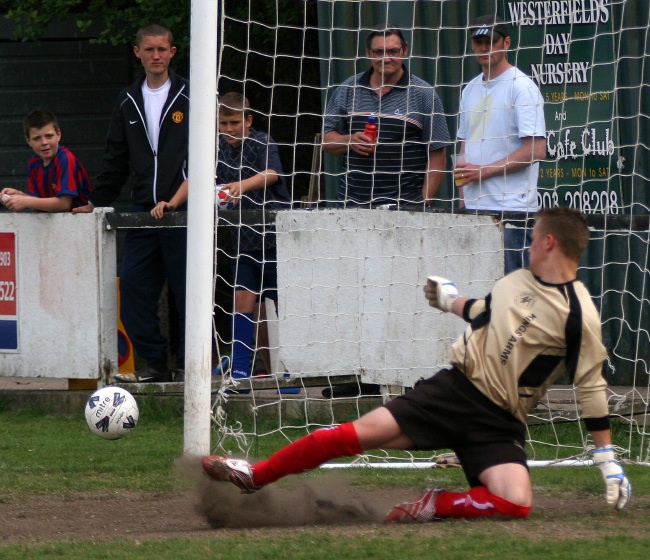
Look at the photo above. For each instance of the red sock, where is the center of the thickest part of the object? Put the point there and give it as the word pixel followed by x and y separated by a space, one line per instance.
pixel 477 502
pixel 308 453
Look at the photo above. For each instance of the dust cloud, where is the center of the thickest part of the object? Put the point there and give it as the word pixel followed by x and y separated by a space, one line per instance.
pixel 329 499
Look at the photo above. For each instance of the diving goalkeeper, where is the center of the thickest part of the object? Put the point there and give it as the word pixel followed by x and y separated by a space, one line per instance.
pixel 535 325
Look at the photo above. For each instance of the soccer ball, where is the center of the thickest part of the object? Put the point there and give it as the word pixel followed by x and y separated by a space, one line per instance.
pixel 111 413
pixel 222 194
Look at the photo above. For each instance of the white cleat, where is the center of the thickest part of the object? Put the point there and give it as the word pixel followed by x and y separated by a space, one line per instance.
pixel 236 471
pixel 421 510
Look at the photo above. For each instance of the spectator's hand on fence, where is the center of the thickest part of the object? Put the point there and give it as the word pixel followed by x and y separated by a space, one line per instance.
pixel 15 200
pixel 440 293
pixel 159 210
pixel 9 191
pixel 87 209
pixel 618 489
pixel 234 192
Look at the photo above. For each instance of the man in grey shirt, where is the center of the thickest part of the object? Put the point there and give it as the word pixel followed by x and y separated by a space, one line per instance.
pixel 407 162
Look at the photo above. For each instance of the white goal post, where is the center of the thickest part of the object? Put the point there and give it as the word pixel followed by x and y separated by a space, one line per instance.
pixel 350 307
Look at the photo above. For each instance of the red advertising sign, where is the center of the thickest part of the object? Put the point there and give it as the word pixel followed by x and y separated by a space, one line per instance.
pixel 8 289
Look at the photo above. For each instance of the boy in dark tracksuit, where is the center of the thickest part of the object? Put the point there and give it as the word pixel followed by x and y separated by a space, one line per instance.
pixel 249 168
pixel 147 145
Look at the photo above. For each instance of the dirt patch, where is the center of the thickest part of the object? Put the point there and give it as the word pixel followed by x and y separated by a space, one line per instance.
pixel 328 504
pixel 100 517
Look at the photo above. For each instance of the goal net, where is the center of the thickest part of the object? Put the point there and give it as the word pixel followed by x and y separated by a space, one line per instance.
pixel 351 328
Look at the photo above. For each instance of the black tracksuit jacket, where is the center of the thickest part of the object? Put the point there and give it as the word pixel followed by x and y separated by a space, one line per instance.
pixel 155 175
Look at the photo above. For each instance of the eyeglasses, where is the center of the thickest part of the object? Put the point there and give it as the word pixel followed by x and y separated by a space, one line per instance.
pixel 381 53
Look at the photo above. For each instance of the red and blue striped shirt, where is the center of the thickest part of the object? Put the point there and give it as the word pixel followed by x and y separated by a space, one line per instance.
pixel 65 175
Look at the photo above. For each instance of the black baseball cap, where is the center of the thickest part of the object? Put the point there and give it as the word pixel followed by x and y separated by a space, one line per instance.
pixel 489 25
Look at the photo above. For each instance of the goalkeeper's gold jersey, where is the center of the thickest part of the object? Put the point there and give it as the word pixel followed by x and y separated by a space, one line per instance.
pixel 524 335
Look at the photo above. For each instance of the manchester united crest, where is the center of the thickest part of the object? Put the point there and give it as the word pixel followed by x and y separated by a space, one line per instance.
pixel 177 117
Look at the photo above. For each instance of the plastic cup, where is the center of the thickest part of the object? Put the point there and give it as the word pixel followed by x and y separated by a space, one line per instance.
pixel 455 160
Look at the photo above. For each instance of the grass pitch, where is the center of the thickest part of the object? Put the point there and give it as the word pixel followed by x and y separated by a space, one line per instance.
pixel 74 491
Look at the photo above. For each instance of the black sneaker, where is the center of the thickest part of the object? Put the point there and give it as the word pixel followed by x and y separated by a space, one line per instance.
pixel 147 374
pixel 351 390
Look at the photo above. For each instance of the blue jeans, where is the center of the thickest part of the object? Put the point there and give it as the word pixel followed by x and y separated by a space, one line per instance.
pixel 515 242
pixel 150 257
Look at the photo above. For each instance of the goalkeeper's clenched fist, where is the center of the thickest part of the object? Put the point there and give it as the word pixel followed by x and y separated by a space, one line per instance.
pixel 618 489
pixel 440 292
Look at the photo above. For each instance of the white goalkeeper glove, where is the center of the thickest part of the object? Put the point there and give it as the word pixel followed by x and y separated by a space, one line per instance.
pixel 618 489
pixel 440 292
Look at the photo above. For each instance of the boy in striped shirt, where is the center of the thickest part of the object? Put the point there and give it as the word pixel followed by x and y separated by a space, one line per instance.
pixel 57 180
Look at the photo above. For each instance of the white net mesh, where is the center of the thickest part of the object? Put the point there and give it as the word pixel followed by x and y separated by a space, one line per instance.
pixel 350 313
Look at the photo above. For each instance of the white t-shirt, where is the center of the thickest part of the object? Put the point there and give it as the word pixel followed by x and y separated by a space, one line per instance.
pixel 154 101
pixel 494 117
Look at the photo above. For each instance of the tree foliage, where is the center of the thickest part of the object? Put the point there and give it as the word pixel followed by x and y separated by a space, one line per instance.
pixel 102 21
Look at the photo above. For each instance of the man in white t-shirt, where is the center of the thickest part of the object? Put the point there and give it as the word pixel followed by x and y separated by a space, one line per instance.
pixel 502 135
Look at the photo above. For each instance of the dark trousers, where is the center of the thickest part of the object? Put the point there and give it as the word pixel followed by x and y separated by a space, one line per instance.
pixel 516 242
pixel 150 257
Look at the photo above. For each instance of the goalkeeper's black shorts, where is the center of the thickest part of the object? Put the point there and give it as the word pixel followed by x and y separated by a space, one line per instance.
pixel 447 411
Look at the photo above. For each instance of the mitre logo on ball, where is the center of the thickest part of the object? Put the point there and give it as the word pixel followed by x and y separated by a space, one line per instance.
pixel 111 413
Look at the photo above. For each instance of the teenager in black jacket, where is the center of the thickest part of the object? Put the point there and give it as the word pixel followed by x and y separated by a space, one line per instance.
pixel 146 147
